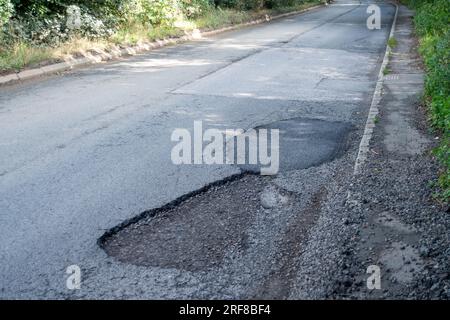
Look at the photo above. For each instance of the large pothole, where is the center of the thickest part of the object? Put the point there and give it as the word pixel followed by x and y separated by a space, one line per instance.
pixel 194 234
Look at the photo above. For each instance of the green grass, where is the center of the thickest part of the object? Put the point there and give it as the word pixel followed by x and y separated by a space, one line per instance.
pixel 376 120
pixel 21 54
pixel 386 71
pixel 392 42
pixel 215 19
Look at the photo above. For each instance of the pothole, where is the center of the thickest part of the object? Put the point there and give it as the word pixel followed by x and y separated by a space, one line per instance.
pixel 195 233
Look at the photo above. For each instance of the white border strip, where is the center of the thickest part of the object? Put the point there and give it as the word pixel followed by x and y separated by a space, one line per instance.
pixel 373 111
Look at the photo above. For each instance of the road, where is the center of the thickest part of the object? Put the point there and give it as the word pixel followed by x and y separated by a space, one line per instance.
pixel 87 150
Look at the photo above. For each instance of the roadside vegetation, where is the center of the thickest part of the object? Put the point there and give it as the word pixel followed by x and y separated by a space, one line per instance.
pixel 432 22
pixel 41 31
pixel 392 42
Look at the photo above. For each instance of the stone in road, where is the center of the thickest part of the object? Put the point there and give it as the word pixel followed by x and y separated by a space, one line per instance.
pixel 83 152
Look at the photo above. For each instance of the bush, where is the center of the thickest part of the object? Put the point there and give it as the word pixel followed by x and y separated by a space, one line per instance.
pixel 160 12
pixel 194 8
pixel 53 30
pixel 32 30
pixel 432 17
pixel 6 10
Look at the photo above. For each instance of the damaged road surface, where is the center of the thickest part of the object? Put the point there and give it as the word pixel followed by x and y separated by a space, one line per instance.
pixel 86 176
pixel 250 228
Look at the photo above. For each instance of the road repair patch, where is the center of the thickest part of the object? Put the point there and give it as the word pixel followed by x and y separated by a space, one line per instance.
pixel 304 143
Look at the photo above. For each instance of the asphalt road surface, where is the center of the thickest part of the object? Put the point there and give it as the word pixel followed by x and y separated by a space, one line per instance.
pixel 85 151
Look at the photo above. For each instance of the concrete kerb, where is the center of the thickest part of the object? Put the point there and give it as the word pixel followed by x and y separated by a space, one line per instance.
pixel 373 111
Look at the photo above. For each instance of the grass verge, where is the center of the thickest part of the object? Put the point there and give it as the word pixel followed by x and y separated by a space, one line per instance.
pixel 431 23
pixel 21 54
